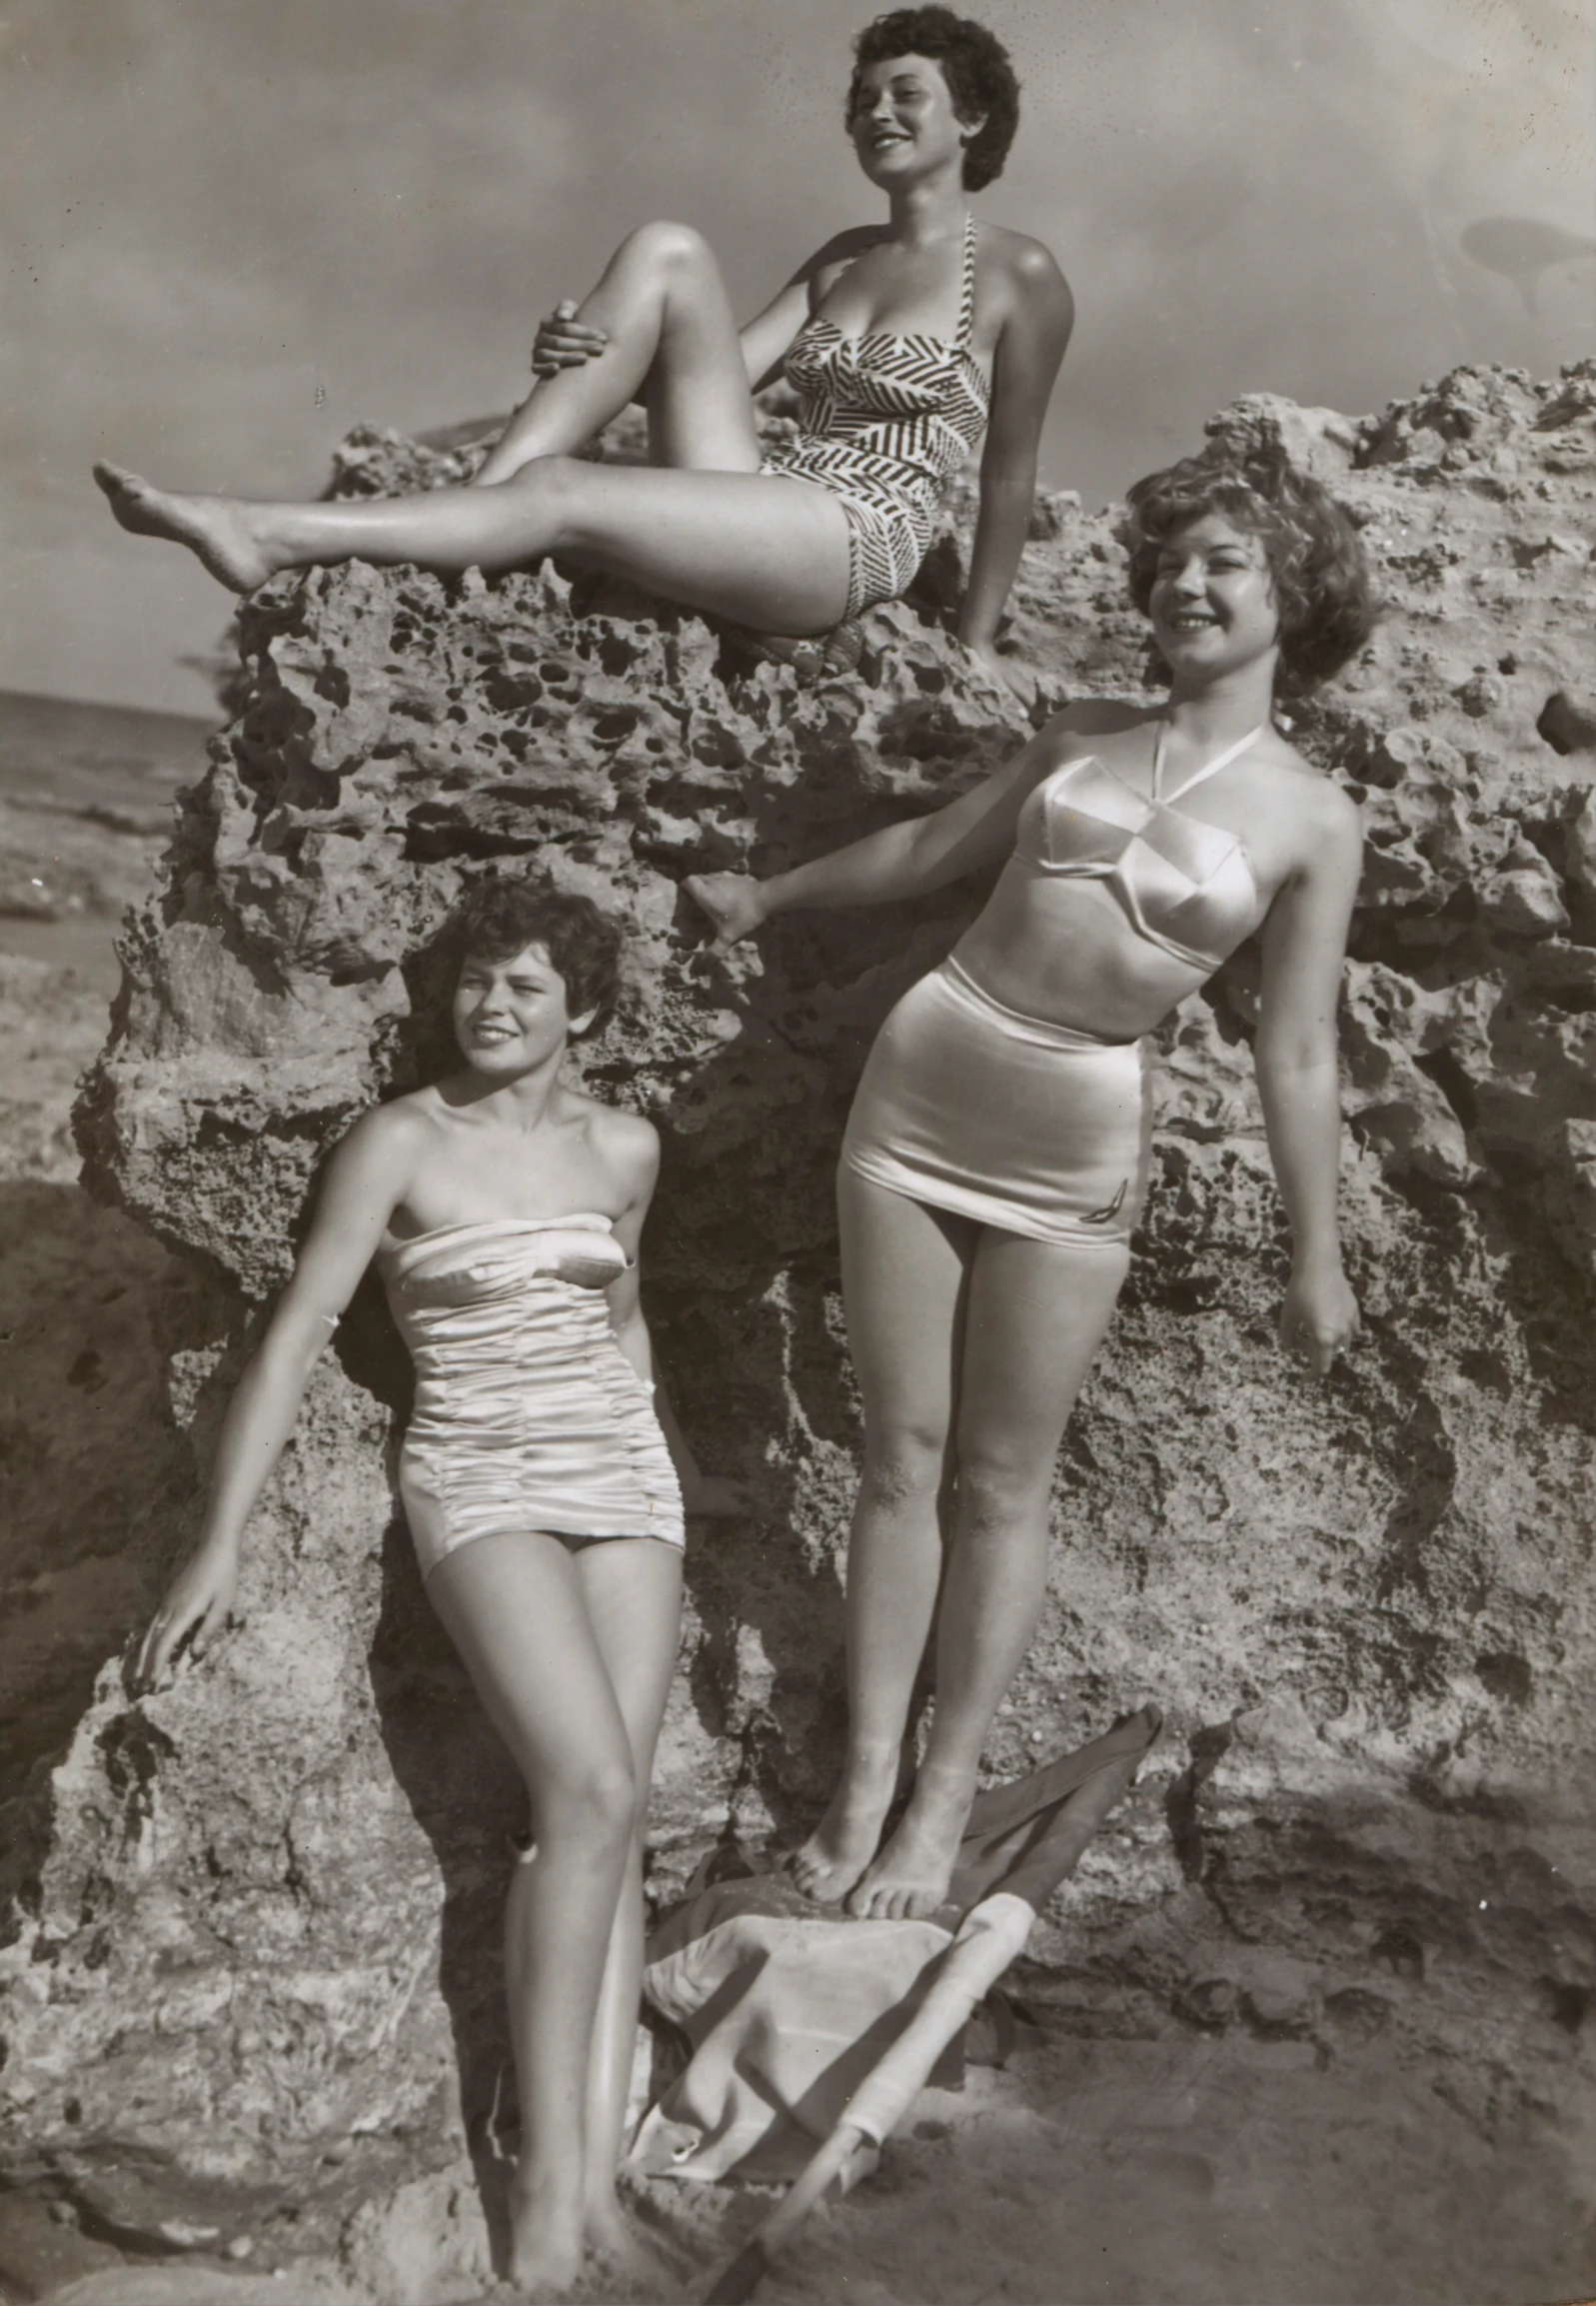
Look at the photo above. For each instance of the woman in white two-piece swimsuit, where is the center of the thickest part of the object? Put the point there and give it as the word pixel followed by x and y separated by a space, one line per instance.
pixel 905 343
pixel 543 1485
pixel 997 1151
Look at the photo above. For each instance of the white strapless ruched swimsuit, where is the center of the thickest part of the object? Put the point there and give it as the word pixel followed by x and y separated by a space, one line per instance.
pixel 528 1414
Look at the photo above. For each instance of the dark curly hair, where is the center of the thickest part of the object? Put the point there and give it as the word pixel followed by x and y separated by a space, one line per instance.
pixel 1320 571
pixel 502 914
pixel 973 61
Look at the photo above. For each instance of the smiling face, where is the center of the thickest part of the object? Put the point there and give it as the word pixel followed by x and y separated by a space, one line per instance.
pixel 1213 603
pixel 903 120
pixel 512 1015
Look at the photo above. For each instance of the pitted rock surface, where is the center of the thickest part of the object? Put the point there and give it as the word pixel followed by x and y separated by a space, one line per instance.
pixel 256 1981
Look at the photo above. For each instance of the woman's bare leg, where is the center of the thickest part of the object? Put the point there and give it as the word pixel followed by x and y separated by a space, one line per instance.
pixel 707 528
pixel 516 1609
pixel 763 550
pixel 632 1587
pixel 903 1279
pixel 1034 1318
pixel 663 307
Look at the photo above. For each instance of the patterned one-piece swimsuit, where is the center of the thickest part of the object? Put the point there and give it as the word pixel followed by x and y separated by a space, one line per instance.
pixel 884 418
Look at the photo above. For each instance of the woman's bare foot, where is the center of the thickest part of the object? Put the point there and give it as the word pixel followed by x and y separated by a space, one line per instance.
pixel 609 2235
pixel 845 1841
pixel 222 531
pixel 547 2242
pixel 910 1877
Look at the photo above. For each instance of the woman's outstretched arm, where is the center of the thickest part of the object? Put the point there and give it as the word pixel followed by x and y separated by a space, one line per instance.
pixel 1304 949
pixel 364 1181
pixel 1030 346
pixel 907 860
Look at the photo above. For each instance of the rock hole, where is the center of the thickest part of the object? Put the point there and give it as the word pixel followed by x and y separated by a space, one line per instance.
pixel 1566 726
pixel 610 728
pixel 1505 1674
pixel 1487 1371
pixel 1566 2005
pixel 1453 1083
pixel 1401 1953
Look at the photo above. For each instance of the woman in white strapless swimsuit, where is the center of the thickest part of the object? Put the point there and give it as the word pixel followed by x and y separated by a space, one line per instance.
pixel 544 1493
pixel 906 342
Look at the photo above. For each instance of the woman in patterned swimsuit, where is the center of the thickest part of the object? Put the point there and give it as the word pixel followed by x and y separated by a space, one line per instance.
pixel 905 342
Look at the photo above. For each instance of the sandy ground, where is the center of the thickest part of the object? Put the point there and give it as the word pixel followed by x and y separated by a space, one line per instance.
pixel 1192 2170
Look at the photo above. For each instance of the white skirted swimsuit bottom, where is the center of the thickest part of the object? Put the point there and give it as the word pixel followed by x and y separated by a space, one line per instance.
pixel 528 1414
pixel 1031 1126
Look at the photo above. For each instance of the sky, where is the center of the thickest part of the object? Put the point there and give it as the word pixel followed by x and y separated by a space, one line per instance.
pixel 234 228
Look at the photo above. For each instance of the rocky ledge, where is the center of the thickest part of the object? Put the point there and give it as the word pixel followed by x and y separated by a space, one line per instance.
pixel 253 1977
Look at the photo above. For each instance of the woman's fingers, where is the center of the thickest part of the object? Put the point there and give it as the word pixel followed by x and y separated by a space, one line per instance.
pixel 196 1607
pixel 145 1667
pixel 160 1646
pixel 1319 1317
pixel 730 903
pixel 565 342
pixel 700 887
pixel 1318 1342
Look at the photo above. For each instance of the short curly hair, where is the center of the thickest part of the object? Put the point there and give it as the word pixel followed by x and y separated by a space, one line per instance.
pixel 501 914
pixel 1322 583
pixel 973 61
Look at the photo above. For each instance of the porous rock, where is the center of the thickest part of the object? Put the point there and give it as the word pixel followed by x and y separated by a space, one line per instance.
pixel 255 1982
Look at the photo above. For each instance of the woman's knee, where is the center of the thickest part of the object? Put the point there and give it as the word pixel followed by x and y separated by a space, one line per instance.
pixel 904 1466
pixel 551 489
pixel 668 247
pixel 591 1798
pixel 1001 1484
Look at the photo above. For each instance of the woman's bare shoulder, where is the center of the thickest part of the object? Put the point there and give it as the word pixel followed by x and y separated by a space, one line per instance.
pixel 1323 820
pixel 626 1145
pixel 399 1127
pixel 841 249
pixel 1027 262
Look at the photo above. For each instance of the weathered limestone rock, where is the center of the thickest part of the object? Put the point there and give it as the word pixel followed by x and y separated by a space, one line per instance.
pixel 256 1977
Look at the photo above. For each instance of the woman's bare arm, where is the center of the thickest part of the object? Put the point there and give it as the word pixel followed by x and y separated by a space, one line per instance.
pixel 907 860
pixel 767 337
pixel 1030 346
pixel 563 341
pixel 1304 951
pixel 365 1178
pixel 702 1493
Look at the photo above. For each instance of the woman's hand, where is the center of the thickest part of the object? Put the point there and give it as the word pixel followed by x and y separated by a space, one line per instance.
pixel 1320 1315
pixel 1007 672
pixel 733 904
pixel 563 341
pixel 197 1605
pixel 712 1497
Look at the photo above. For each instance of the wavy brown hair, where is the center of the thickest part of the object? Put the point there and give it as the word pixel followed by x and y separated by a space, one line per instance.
pixel 1323 587
pixel 502 914
pixel 973 62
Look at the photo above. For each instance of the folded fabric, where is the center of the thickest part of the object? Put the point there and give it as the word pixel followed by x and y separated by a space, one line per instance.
pixel 788 2007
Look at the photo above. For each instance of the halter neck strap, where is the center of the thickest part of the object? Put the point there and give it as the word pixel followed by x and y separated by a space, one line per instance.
pixel 1209 769
pixel 967 300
